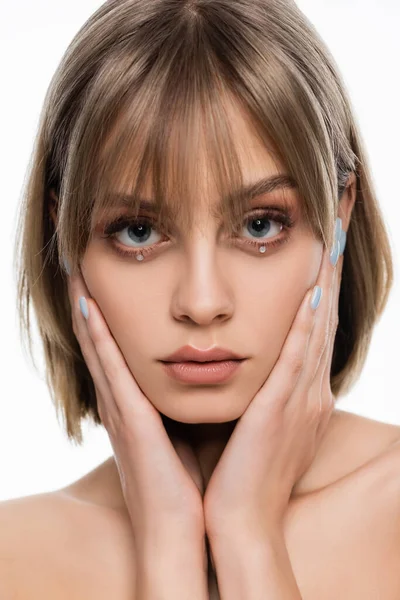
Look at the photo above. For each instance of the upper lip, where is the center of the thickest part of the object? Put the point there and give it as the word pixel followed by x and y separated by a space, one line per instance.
pixel 189 353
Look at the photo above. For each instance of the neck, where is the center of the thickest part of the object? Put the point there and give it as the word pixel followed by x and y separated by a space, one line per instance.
pixel 198 434
pixel 208 441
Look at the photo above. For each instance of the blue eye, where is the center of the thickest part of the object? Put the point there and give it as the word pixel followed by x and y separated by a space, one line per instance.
pixel 259 224
pixel 138 232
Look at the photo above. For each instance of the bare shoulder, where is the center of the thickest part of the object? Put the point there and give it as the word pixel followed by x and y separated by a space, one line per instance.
pixel 52 546
pixel 352 442
pixel 25 526
pixel 347 522
pixel 360 439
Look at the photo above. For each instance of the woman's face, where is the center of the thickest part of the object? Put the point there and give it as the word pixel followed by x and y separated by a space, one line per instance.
pixel 201 291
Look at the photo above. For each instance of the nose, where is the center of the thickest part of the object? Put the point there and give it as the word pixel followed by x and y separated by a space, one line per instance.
pixel 203 294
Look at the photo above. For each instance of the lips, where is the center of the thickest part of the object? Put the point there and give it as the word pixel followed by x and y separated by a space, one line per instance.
pixel 196 355
pixel 202 373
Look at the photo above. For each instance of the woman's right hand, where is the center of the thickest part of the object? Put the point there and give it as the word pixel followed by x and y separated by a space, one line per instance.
pixel 160 477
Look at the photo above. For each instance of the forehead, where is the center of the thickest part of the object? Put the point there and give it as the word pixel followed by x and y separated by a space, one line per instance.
pixel 262 171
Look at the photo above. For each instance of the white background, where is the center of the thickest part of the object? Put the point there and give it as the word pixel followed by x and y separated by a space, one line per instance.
pixel 35 455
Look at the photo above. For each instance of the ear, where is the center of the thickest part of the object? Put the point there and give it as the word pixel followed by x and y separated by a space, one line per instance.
pixel 53 203
pixel 347 201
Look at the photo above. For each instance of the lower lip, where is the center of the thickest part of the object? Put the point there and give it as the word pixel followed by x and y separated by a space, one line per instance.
pixel 196 372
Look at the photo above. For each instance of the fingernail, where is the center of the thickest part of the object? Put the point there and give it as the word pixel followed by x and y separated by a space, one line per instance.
pixel 334 255
pixel 316 297
pixel 67 266
pixel 84 307
pixel 343 239
pixel 337 240
pixel 338 228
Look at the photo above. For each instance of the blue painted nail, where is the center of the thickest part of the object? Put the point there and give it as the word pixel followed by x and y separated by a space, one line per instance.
pixel 316 297
pixel 338 228
pixel 343 239
pixel 84 307
pixel 334 255
pixel 335 252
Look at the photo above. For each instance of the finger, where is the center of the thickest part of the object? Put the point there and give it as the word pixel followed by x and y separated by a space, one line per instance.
pixel 126 394
pixel 325 366
pixel 320 336
pixel 278 388
pixel 288 371
pixel 321 390
pixel 131 418
pixel 77 289
pixel 317 341
pixel 123 408
pixel 328 400
pixel 316 384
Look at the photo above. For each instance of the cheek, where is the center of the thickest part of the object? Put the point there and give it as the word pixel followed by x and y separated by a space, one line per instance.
pixel 265 309
pixel 122 302
pixel 275 303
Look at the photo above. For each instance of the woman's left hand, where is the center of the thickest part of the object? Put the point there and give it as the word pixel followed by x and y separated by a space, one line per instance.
pixel 275 440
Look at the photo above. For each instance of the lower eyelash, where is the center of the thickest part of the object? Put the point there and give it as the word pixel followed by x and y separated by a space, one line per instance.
pixel 135 252
pixel 120 224
pixel 273 244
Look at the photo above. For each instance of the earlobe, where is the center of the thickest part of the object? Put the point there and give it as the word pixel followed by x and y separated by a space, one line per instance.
pixel 53 203
pixel 347 201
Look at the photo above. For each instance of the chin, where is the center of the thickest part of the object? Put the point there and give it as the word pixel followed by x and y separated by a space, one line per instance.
pixel 201 412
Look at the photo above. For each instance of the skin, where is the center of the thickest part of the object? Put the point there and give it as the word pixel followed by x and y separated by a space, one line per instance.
pixel 271 445
pixel 142 320
pixel 193 293
pixel 319 510
pixel 93 283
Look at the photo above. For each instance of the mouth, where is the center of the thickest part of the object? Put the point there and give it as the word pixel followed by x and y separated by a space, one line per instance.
pixel 210 372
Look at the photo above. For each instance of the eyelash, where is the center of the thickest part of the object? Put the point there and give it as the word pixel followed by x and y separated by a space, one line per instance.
pixel 112 228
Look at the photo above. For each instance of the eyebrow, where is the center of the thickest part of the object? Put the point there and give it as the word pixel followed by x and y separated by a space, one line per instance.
pixel 266 185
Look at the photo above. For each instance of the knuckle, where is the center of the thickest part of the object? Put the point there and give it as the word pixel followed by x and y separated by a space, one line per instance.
pixel 96 335
pixel 114 367
pixel 321 343
pixel 105 416
pixel 84 346
pixel 321 346
pixel 295 361
pixel 77 325
pixel 304 327
pixel 111 370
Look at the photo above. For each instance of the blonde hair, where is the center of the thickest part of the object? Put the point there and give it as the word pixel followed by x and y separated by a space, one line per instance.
pixel 139 70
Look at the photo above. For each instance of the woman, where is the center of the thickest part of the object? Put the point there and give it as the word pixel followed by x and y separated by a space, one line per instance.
pixel 198 179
